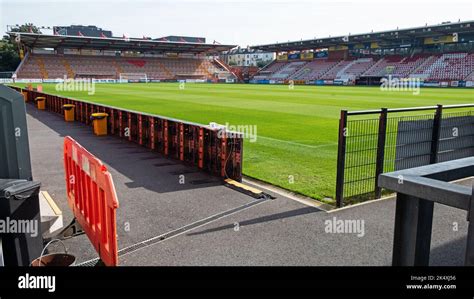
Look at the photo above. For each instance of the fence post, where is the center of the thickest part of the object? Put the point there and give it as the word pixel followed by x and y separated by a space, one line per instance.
pixel 380 150
pixel 436 134
pixel 341 158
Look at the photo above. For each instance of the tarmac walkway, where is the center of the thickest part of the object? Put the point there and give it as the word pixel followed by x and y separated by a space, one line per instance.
pixel 202 222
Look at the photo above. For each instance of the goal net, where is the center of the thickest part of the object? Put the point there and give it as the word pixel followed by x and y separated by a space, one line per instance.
pixel 133 77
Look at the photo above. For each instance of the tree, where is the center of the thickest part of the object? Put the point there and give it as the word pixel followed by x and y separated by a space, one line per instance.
pixel 9 58
pixel 28 27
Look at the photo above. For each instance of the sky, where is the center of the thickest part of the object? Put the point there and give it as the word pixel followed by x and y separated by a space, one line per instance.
pixel 237 22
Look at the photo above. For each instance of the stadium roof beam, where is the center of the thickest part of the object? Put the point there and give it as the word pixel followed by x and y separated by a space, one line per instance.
pixel 390 35
pixel 34 40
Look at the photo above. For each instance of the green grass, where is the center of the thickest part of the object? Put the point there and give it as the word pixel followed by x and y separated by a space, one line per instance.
pixel 297 129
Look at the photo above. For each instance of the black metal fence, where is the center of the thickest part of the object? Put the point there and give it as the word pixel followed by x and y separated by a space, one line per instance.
pixel 376 141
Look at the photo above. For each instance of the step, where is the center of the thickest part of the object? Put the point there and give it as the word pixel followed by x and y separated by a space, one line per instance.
pixel 51 215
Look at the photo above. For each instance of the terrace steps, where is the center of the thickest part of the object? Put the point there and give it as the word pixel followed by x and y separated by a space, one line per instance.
pixel 70 72
pixel 42 68
pixel 117 67
pixel 165 69
pixel 424 64
pixel 204 70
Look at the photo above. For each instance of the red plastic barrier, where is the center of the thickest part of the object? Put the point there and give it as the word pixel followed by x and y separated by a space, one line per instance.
pixel 92 198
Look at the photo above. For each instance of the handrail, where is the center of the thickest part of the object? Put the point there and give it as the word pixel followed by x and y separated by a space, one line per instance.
pixel 411 109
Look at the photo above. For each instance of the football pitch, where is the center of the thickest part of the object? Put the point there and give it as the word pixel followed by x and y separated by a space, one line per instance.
pixel 296 129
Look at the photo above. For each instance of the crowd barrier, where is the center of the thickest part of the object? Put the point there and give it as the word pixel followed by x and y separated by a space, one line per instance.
pixel 216 152
pixel 372 142
pixel 92 198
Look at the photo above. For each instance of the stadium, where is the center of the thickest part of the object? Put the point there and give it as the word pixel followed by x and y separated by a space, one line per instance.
pixel 437 56
pixel 152 150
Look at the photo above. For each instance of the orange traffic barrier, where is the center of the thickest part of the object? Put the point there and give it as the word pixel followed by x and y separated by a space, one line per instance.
pixel 92 198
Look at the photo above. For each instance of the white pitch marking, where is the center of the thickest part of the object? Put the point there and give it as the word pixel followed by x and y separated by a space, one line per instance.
pixel 297 144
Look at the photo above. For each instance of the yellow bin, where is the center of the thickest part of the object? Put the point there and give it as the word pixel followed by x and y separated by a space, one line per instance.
pixel 69 112
pixel 99 122
pixel 25 95
pixel 41 103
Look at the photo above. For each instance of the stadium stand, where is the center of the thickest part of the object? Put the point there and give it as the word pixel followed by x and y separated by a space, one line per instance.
pixel 244 73
pixel 398 66
pixel 355 68
pixel 52 57
pixel 287 70
pixel 337 69
pixel 436 58
pixel 440 55
pixel 314 69
pixel 448 66
pixel 384 66
pixel 423 67
pixel 49 66
pixel 470 77
pixel 268 71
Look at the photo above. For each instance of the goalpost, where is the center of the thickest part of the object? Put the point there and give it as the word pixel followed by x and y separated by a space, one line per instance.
pixel 133 77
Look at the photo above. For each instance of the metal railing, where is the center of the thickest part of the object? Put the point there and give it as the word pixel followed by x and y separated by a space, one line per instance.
pixel 372 142
pixel 418 189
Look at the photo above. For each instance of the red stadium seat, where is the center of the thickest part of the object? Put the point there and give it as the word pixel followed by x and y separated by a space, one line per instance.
pixel 50 66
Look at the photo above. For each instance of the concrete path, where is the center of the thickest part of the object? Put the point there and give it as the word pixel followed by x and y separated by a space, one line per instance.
pixel 202 222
